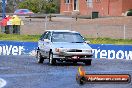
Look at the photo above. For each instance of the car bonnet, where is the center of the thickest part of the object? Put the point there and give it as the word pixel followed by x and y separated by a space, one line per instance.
pixel 71 45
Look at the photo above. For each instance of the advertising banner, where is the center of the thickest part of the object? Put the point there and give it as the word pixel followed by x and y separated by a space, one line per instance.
pixel 112 51
pixel 100 50
pixel 17 48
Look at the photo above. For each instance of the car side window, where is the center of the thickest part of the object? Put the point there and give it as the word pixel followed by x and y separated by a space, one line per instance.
pixel 47 36
pixel 43 36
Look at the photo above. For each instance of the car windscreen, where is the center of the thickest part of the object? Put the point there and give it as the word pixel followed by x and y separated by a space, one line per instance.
pixel 67 37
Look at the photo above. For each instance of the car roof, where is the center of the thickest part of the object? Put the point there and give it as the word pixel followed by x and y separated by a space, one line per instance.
pixel 62 31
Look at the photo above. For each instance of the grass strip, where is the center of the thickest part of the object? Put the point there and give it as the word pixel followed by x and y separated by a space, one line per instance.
pixel 35 38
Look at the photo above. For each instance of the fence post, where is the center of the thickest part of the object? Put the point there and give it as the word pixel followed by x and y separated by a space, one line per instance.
pixel 71 27
pixel 124 27
pixel 97 33
pixel 46 22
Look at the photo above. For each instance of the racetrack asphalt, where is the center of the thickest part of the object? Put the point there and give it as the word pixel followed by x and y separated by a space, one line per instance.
pixel 24 72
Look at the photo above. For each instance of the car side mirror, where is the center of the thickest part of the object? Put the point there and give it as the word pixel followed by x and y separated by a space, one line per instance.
pixel 88 42
pixel 46 40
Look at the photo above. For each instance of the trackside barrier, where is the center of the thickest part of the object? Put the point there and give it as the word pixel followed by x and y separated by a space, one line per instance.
pixel 99 50
pixel 17 48
pixel 112 51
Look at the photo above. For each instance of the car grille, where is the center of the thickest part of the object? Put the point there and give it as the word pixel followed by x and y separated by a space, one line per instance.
pixel 74 50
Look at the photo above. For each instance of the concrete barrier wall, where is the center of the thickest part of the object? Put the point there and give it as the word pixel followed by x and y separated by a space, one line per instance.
pixel 99 50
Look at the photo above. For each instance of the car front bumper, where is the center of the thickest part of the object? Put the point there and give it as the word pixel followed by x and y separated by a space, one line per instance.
pixel 73 55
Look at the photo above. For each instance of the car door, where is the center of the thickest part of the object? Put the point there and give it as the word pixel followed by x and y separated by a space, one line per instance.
pixel 47 44
pixel 41 43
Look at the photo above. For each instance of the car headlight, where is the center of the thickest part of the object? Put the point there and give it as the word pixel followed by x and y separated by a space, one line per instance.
pixel 60 50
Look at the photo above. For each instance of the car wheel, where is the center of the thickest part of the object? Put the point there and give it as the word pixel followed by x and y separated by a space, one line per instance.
pixel 52 61
pixel 40 59
pixel 88 62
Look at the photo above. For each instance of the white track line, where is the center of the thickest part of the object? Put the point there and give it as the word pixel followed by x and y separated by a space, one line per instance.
pixel 2 83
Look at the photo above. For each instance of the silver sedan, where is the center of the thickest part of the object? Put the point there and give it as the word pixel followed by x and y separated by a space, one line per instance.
pixel 64 46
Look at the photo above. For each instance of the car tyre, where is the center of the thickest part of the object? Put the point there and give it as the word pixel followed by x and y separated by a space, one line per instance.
pixel 52 61
pixel 88 62
pixel 40 59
